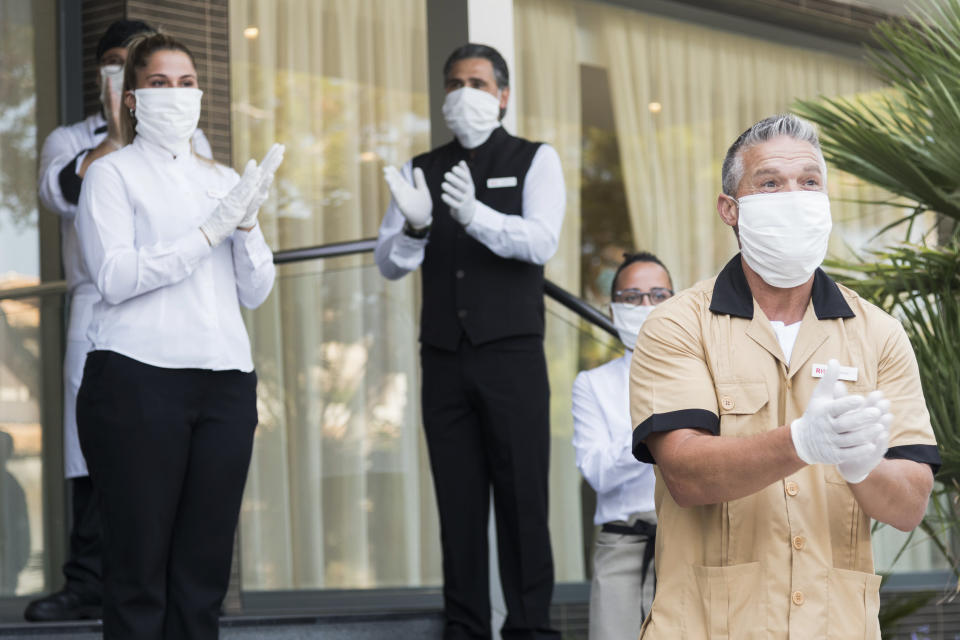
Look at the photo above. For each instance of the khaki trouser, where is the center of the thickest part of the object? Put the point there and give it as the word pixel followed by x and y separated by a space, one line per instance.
pixel 616 596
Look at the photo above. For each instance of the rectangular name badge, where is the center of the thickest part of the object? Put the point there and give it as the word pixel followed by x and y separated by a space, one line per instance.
pixel 846 373
pixel 501 183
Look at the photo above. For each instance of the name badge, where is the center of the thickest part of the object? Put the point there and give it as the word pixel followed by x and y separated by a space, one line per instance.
pixel 501 183
pixel 846 373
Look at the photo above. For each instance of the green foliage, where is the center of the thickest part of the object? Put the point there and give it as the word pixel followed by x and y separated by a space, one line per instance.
pixel 904 139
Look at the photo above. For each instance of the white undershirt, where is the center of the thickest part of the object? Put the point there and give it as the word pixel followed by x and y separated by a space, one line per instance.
pixel 168 299
pixel 787 336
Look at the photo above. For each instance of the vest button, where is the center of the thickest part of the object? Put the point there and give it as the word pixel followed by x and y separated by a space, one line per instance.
pixel 799 542
pixel 792 488
pixel 797 598
pixel 462 313
pixel 460 274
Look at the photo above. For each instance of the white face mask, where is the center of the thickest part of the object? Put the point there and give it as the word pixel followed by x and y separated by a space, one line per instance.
pixel 628 318
pixel 168 116
pixel 784 235
pixel 472 115
pixel 113 73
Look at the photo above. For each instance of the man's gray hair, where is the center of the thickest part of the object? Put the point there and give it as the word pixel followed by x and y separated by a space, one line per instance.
pixel 783 124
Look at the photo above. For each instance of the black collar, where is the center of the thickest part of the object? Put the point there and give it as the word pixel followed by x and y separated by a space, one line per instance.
pixel 731 294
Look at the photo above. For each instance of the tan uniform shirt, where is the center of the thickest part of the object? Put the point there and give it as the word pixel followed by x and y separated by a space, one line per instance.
pixel 793 560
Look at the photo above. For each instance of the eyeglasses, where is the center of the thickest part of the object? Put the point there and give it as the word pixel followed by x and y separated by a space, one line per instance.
pixel 656 295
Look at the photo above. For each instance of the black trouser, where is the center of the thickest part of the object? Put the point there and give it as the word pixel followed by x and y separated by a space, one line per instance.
pixel 168 450
pixel 486 417
pixel 84 568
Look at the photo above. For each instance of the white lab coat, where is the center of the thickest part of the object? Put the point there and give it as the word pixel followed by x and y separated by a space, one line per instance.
pixel 61 147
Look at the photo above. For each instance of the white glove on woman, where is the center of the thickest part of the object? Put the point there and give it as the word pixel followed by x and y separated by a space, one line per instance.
pixel 232 209
pixel 459 193
pixel 414 200
pixel 268 167
pixel 855 471
pixel 835 427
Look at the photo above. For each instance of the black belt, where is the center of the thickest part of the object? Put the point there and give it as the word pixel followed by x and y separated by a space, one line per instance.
pixel 638 528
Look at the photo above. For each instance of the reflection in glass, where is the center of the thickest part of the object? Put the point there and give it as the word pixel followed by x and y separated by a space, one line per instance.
pixel 339 493
pixel 21 486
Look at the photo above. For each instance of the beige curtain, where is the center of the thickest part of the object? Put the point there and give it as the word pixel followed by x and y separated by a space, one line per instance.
pixel 339 493
pixel 548 109
pixel 681 94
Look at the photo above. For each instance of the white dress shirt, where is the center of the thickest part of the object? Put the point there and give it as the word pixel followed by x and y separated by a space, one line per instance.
pixel 66 144
pixel 603 439
pixel 168 299
pixel 532 237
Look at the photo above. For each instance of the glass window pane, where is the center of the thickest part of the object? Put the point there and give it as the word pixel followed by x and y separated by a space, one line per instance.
pixel 19 244
pixel 339 493
pixel 21 448
pixel 343 84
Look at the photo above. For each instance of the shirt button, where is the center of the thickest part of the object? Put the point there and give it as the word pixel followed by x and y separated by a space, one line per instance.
pixel 462 313
pixel 797 598
pixel 792 488
pixel 799 542
pixel 727 402
pixel 460 274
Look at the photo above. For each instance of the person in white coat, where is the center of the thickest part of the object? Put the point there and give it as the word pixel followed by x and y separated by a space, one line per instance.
pixel 67 153
pixel 623 583
pixel 167 405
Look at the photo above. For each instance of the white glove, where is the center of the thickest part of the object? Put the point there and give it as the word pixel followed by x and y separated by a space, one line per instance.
pixel 855 471
pixel 459 193
pixel 413 200
pixel 268 167
pixel 231 210
pixel 835 427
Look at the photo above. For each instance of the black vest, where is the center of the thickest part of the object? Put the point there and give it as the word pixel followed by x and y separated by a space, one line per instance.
pixel 467 287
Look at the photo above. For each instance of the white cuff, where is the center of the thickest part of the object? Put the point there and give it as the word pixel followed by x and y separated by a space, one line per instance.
pixel 406 252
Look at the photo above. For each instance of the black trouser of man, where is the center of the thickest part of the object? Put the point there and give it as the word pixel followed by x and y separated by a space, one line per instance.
pixel 84 568
pixel 169 451
pixel 486 415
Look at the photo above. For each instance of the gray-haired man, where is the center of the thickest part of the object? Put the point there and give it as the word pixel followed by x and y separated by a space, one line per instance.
pixel 769 468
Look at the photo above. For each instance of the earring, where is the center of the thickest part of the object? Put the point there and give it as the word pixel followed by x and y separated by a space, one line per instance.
pixel 131 113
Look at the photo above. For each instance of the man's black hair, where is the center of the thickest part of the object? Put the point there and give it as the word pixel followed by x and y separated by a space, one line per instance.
pixel 471 50
pixel 119 34
pixel 629 259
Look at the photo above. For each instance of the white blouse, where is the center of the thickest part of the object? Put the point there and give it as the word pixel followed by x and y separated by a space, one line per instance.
pixel 168 299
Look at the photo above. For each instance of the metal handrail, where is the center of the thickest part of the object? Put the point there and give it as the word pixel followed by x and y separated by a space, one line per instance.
pixel 367 245
pixel 34 291
pixel 335 250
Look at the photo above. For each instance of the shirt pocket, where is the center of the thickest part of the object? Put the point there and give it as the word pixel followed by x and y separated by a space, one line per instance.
pixel 743 407
pixel 853 599
pixel 725 603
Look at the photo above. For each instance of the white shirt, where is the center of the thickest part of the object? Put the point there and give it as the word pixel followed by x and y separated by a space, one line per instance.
pixel 62 146
pixel 532 237
pixel 169 300
pixel 603 439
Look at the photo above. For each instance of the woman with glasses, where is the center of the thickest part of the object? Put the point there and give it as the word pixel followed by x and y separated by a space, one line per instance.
pixel 622 587
pixel 167 407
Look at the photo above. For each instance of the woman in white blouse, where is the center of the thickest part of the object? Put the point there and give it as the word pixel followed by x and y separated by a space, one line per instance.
pixel 167 407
